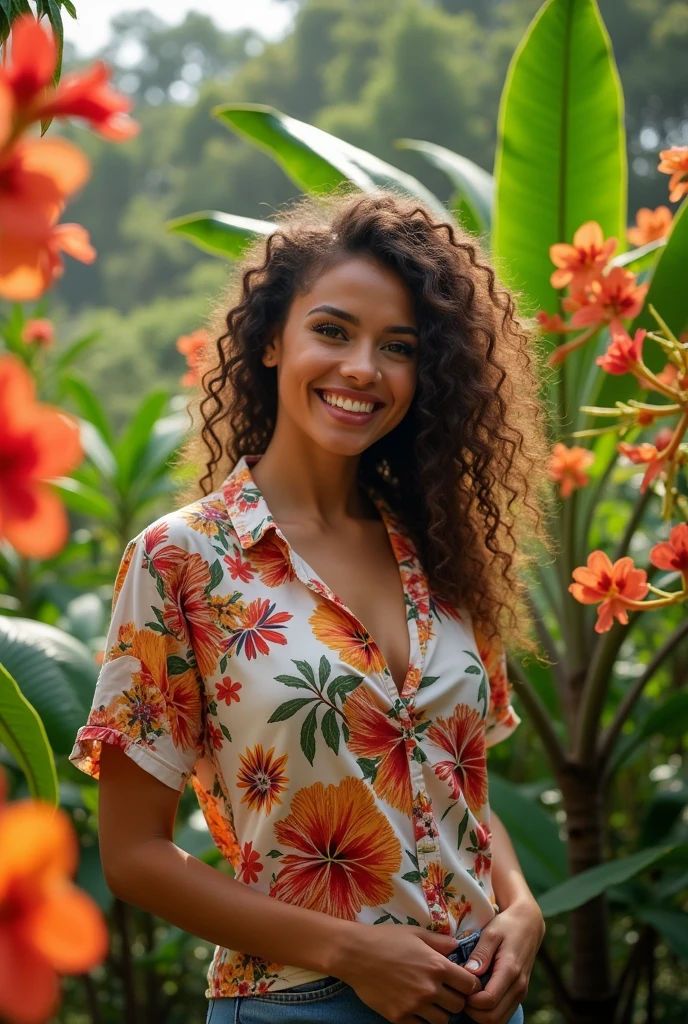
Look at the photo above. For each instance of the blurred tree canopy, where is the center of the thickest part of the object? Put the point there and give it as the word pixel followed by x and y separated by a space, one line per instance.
pixel 369 71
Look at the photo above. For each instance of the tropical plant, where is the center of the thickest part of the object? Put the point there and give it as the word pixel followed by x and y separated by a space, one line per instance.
pixel 558 196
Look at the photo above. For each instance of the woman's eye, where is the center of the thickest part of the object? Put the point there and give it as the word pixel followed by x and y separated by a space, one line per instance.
pixel 402 348
pixel 322 327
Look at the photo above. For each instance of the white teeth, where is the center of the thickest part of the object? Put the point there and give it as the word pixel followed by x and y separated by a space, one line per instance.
pixel 347 404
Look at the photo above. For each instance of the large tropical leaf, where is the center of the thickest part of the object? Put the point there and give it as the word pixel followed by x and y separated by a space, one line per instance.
pixel 473 185
pixel 23 733
pixel 561 152
pixel 55 672
pixel 535 836
pixel 582 888
pixel 671 925
pixel 221 234
pixel 317 161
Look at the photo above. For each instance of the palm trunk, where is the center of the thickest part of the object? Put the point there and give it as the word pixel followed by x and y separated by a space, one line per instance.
pixel 591 989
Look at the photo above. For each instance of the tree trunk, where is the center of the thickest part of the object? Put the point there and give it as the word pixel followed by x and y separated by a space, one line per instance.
pixel 591 988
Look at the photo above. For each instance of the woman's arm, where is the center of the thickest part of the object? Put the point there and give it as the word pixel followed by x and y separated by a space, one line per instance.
pixel 401 972
pixel 511 939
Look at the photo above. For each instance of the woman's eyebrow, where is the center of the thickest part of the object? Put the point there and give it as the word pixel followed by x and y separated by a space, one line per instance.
pixel 343 315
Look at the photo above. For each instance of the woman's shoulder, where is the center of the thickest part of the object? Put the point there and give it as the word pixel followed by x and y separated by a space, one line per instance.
pixel 198 525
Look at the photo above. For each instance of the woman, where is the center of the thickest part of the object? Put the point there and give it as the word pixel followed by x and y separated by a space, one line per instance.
pixel 315 637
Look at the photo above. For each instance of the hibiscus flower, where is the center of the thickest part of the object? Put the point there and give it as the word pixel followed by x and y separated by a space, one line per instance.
pixel 463 736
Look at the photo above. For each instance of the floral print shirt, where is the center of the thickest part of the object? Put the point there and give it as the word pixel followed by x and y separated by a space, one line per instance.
pixel 229 663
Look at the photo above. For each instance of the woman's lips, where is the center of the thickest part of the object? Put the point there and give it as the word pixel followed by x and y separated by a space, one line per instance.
pixel 344 416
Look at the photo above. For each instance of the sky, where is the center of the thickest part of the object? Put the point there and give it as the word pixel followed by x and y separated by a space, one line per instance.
pixel 268 17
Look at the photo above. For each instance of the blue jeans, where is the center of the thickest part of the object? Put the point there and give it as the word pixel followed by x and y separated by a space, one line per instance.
pixel 325 1001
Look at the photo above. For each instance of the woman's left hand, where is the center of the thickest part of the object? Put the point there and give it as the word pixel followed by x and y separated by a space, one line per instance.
pixel 511 940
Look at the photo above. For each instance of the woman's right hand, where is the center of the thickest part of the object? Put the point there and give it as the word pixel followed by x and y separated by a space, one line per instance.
pixel 402 972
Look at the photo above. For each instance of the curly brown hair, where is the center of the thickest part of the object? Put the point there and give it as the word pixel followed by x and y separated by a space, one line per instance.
pixel 466 467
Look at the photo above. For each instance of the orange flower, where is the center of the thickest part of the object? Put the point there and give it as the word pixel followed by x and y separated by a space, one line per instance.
pixel 672 554
pixel 651 224
pixel 674 161
pixel 29 266
pixel 347 850
pixel 262 777
pixel 333 627
pixel 258 628
pixel 38 442
pixel 47 925
pixel 181 691
pixel 373 734
pixel 640 454
pixel 28 76
pixel 192 346
pixel 552 324
pixel 582 261
pixel 624 353
pixel 188 610
pixel 41 331
pixel 568 465
pixel 611 584
pixel 607 299
pixel 463 736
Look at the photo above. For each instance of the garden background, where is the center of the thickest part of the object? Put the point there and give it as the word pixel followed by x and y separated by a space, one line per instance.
pixel 597 772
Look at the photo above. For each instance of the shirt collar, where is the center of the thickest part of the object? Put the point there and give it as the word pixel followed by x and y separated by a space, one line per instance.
pixel 249 513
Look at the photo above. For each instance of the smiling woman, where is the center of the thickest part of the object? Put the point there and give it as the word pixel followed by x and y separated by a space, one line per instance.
pixel 369 415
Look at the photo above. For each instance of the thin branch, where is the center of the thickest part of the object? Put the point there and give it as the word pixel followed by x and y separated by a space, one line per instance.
pixel 595 688
pixel 562 997
pixel 539 715
pixel 627 983
pixel 633 523
pixel 609 737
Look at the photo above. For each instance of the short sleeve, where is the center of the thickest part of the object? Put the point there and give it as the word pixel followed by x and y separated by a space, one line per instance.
pixel 148 696
pixel 501 719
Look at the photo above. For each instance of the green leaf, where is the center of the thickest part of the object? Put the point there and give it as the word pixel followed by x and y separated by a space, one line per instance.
pixel 305 670
pixel 669 719
pixel 293 681
pixel 176 666
pixel 89 406
pixel 582 888
pixel 308 733
pixel 220 234
pixel 667 291
pixel 411 876
pixel 474 185
pixel 24 735
pixel 54 671
pixel 671 925
pixel 368 766
pixel 317 161
pixel 330 730
pixel 561 149
pixel 463 825
pixel 641 258
pixel 289 708
pixel 84 499
pixel 77 348
pixel 274 853
pixel 216 576
pixel 535 836
pixel 324 669
pixel 136 436
pixel 342 685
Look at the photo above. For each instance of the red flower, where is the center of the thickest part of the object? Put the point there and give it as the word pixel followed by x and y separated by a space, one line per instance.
pixel 86 94
pixel 38 442
pixel 214 735
pixel 228 691
pixel 463 736
pixel 607 299
pixel 192 346
pixel 640 454
pixel 610 584
pixel 624 353
pixel 41 331
pixel 250 864
pixel 238 569
pixel 672 554
pixel 552 324
pixel 259 626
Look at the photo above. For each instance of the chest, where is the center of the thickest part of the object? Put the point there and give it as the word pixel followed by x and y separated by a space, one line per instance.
pixel 362 570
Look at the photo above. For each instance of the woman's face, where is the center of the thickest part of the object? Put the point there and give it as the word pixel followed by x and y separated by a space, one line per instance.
pixel 362 348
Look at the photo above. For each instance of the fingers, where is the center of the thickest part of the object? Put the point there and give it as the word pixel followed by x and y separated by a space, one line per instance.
pixel 484 952
pixel 505 973
pixel 502 1014
pixel 460 979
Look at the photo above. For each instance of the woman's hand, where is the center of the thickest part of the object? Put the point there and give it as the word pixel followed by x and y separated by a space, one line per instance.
pixel 402 972
pixel 511 940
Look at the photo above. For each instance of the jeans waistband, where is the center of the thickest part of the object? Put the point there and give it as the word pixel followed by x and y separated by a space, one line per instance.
pixel 464 949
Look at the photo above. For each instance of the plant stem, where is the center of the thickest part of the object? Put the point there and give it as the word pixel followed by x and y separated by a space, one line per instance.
pixel 539 715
